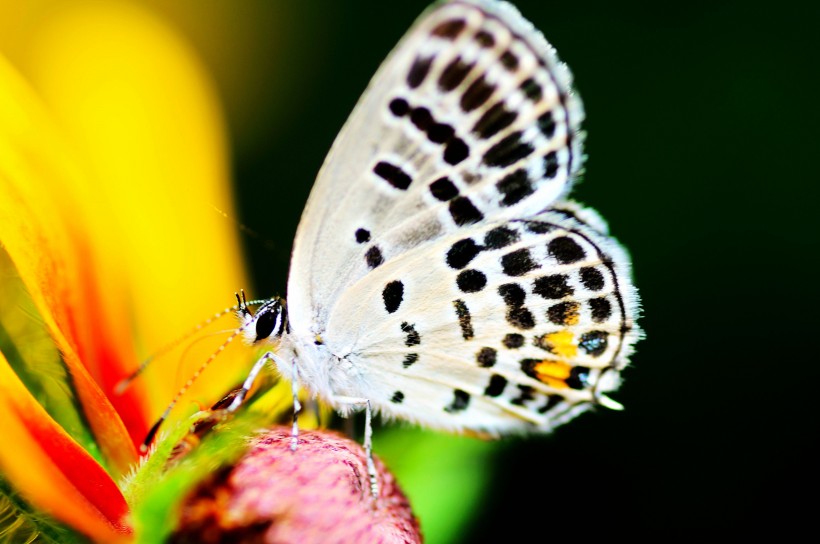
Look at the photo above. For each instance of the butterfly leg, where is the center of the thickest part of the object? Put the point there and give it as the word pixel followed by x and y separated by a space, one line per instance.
pixel 368 437
pixel 246 386
pixel 297 407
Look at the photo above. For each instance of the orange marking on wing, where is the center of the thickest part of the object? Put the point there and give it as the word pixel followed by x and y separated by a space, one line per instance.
pixel 553 373
pixel 561 343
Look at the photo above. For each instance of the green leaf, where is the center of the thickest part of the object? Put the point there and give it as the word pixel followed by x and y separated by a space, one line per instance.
pixel 27 345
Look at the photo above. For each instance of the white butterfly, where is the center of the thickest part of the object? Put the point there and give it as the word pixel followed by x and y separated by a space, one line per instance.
pixel 438 274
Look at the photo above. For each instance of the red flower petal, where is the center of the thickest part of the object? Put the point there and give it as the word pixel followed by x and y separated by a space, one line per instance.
pixel 54 472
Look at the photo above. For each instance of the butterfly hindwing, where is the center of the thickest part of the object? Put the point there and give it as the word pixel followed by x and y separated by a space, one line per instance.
pixel 512 325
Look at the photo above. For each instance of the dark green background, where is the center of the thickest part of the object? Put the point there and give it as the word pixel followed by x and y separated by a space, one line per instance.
pixel 703 143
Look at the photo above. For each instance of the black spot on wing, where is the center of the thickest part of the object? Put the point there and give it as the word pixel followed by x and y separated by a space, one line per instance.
pixel 393 294
pixel 528 366
pixel 520 318
pixel 443 189
pixel 512 293
pixel 462 252
pixel 509 61
pixel 485 39
pixel 532 90
pixel 517 315
pixel 508 151
pixel 552 287
pixel 439 133
pixel 399 107
pixel 550 165
pixel 552 402
pixel 421 118
pixel 518 262
pixel 486 357
pixel 413 337
pixel 546 124
pixel 513 341
pixel 418 71
pixel 362 236
pixel 538 227
pixel 453 74
pixel 500 237
pixel 494 120
pixel 409 359
pixel 455 151
pixel 564 313
pixel 373 257
pixel 449 29
pixel 393 175
pixel 565 250
pixel 464 319
pixel 515 187
pixel 601 309
pixel 471 281
pixel 461 400
pixel 525 393
pixel 592 278
pixel 496 385
pixel 578 377
pixel 464 212
pixel 476 94
pixel 397 397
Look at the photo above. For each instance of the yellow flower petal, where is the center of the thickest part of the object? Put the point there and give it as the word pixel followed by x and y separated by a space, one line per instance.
pixel 39 231
pixel 52 471
pixel 141 110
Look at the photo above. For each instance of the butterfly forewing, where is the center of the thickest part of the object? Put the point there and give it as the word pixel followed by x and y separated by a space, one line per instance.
pixel 471 119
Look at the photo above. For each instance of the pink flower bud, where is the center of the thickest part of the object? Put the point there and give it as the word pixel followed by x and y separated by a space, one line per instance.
pixel 318 493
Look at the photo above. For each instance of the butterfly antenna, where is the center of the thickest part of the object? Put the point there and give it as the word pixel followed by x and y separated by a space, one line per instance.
pixel 241 305
pixel 153 431
pixel 267 243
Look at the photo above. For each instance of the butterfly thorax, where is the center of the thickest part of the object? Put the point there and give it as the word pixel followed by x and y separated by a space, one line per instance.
pixel 322 370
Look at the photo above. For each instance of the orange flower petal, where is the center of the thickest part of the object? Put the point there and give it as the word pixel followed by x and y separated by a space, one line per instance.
pixel 151 255
pixel 40 231
pixel 54 472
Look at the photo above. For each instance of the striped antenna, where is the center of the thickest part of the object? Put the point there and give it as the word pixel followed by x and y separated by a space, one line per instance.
pixel 153 431
pixel 242 304
pixel 267 243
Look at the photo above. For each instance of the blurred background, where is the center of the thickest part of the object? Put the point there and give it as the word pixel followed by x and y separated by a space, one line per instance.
pixel 702 151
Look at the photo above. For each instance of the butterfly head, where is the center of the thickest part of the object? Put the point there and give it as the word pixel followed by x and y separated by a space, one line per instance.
pixel 269 322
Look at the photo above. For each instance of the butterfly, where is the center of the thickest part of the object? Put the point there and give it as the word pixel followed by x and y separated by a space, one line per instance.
pixel 439 273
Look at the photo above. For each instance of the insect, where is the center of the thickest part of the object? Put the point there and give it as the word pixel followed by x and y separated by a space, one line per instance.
pixel 439 274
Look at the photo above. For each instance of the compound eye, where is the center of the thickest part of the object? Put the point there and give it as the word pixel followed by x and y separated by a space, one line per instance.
pixel 265 323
